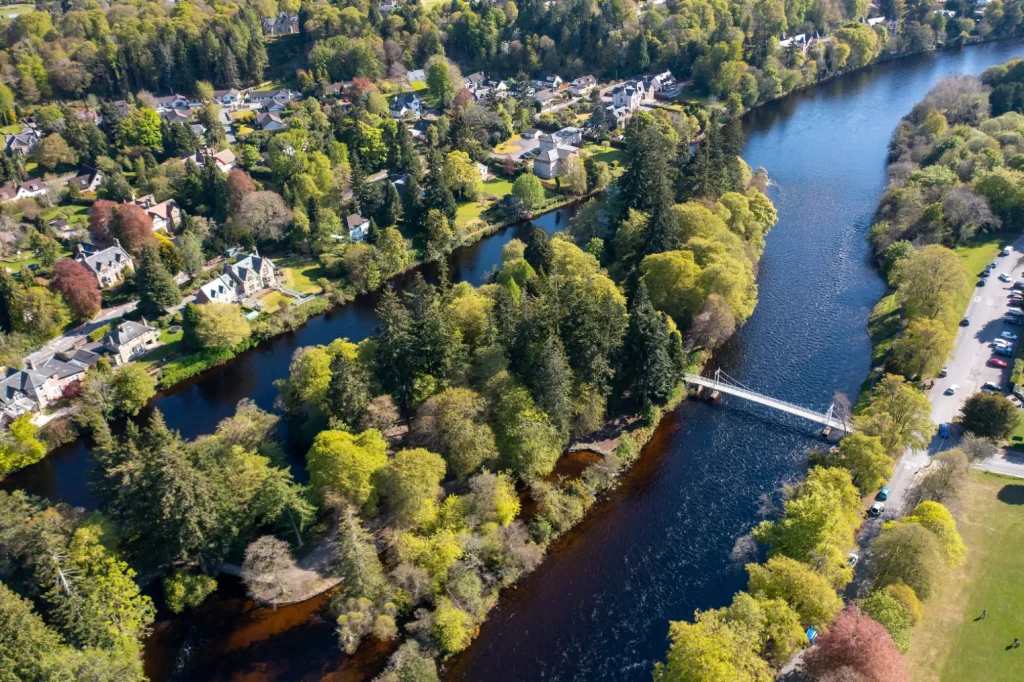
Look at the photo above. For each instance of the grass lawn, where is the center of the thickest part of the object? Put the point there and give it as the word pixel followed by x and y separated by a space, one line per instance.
pixel 606 154
pixel 950 645
pixel 273 300
pixel 300 273
pixel 982 250
pixel 28 257
pixel 508 146
pixel 74 214
pixel 418 86
pixel 11 129
pixel 244 130
pixel 8 10
pixel 1017 439
pixel 171 345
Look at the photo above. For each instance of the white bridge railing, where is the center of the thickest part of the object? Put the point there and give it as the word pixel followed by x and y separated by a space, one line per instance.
pixel 723 383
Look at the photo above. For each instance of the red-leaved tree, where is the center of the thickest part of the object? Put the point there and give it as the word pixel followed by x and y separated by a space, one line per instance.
pixel 132 226
pixel 857 642
pixel 100 215
pixel 75 283
pixel 240 185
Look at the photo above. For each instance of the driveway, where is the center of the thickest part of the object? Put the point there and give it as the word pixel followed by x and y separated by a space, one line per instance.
pixel 519 147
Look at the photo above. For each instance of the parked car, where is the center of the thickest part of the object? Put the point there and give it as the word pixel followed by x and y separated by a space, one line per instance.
pixel 1004 350
pixel 991 386
pixel 943 430
pixel 996 362
pixel 993 265
pixel 1004 277
pixel 1008 335
pixel 852 559
pixel 883 494
pixel 981 282
pixel 1006 251
pixel 944 371
pixel 1019 284
pixel 1012 320
pixel 967 321
pixel 1015 313
pixel 876 509
pixel 953 388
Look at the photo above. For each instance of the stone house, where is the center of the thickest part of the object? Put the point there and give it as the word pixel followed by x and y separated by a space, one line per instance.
pixel 550 159
pixel 107 265
pixel 249 274
pixel 129 340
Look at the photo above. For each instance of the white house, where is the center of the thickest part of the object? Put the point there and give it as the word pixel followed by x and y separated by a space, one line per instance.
pixel 107 265
pixel 405 105
pixel 415 76
pixel 272 100
pixel 583 86
pixel 545 98
pixel 249 274
pixel 630 95
pixel 229 98
pixel 225 159
pixel 175 101
pixel 474 81
pixel 30 188
pixel 550 159
pixel 357 227
pixel 569 136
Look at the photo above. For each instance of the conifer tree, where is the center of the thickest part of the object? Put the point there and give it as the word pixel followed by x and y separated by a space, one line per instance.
pixel 647 365
pixel 156 288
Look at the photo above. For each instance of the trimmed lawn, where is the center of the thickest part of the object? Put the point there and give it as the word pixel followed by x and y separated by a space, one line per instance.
pixel 272 301
pixel 950 645
pixel 1017 439
pixel 508 146
pixel 300 273
pixel 606 154
pixel 13 129
pixel 472 211
pixel 74 214
pixel 418 86
pixel 982 250
pixel 9 10
pixel 172 345
pixel 244 130
pixel 28 257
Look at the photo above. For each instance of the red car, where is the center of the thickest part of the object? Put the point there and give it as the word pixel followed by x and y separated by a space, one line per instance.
pixel 996 362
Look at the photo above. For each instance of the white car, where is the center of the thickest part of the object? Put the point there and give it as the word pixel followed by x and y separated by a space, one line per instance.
pixel 1004 277
pixel 1006 251
pixel 1009 335
pixel 953 388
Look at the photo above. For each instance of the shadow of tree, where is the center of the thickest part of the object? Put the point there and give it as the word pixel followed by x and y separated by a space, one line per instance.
pixel 1012 494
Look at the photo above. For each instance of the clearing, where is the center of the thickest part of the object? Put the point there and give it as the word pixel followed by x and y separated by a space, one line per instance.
pixel 951 644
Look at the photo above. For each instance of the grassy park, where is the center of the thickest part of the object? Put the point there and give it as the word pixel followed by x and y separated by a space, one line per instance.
pixel 951 644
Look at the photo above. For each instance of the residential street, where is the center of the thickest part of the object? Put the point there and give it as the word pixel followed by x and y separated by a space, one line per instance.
pixel 67 340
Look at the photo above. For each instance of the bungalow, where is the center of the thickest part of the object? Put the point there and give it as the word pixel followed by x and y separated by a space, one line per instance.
pixel 30 188
pixel 249 274
pixel 545 98
pixel 282 25
pixel 269 122
pixel 224 159
pixel 415 76
pixel 229 98
pixel 550 159
pixel 583 86
pixel 88 182
pixel 405 105
pixel 474 81
pixel 63 228
pixel 129 340
pixel 173 102
pixel 23 143
pixel 108 265
pixel 165 215
pixel 273 99
pixel 198 129
pixel 357 227
pixel 531 134
pixel 176 115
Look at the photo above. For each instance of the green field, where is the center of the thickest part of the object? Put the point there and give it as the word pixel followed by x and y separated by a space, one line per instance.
pixel 606 154
pixel 8 10
pixel 171 345
pixel 951 644
pixel 472 211
pixel 300 273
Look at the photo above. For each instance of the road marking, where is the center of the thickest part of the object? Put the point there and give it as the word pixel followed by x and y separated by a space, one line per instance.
pixel 988 302
pixel 977 299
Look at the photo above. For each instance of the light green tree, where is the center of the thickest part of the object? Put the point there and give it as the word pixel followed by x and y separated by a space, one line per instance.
pixel 341 463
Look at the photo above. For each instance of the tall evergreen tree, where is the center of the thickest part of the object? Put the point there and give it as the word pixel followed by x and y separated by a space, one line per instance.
pixel 648 370
pixel 155 286
pixel 439 196
pixel 391 207
pixel 8 291
pixel 349 391
pixel 395 348
pixel 552 382
pixel 538 251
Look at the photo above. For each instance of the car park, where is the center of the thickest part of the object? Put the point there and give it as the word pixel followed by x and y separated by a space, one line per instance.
pixel 953 388
pixel 1004 350
pixel 1004 277
pixel 1015 313
pixel 990 386
pixel 1019 284
pixel 1008 335
pixel 1012 320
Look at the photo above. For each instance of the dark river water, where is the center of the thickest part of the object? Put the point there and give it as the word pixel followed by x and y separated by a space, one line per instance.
pixel 659 547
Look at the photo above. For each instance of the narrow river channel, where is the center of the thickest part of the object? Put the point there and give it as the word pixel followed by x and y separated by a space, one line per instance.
pixel 659 547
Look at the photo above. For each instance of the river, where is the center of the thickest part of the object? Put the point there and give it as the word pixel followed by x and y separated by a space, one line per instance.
pixel 659 546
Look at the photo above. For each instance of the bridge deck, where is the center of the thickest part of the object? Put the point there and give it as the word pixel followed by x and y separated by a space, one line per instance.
pixel 763 400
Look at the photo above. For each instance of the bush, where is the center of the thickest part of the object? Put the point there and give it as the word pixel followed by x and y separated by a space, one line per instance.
pixel 185 590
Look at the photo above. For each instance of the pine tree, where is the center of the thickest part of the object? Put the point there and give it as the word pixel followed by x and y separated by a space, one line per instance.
pixel 552 382
pixel 395 348
pixel 538 251
pixel 372 232
pixel 411 210
pixel 357 178
pixel 647 366
pixel 439 196
pixel 156 288
pixel 8 291
pixel 349 391
pixel 358 563
pixel 391 208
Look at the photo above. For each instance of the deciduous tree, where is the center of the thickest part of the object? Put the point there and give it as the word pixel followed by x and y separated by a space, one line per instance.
pixel 78 287
pixel 857 642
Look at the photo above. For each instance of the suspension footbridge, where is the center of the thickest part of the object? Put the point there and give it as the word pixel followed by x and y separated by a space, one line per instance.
pixel 723 383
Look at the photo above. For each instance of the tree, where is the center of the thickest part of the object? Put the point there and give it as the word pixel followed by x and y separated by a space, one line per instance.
pixel 713 324
pixel 360 567
pixel 898 414
pixel 989 415
pixel 439 82
pixel 527 193
pixel 712 649
pixel 461 176
pixel 907 553
pixel 867 461
pixel 857 642
pixel 220 325
pixel 891 614
pixel 187 590
pixel 527 441
pixel 946 476
pixel 808 593
pixel 239 185
pixel 574 176
pixel 439 235
pixel 922 348
pixel 131 388
pixel 133 227
pixel 452 423
pixel 265 568
pixel 54 151
pixel 341 463
pixel 453 627
pixel 411 484
pixel 409 664
pixel 264 215
pixel 191 251
pixel 140 128
pixel 776 622
pixel 939 521
pixel 349 390
pixel 976 448
pixel 648 368
pixel 156 288
pixel 19 447
pixel 930 283
pixel 39 312
pixel 100 214
pixel 671 279
pixel 76 284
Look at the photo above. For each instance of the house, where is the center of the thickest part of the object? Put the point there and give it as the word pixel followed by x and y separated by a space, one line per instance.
pixel 617 117
pixel 198 129
pixel 405 105
pixel 23 143
pixel 550 159
pixel 569 136
pixel 224 159
pixel 474 81
pixel 283 24
pixel 176 115
pixel 37 386
pixel 484 171
pixel 229 98
pixel 88 182
pixel 545 98
pixel 30 188
pixel 531 134
pixel 269 122
pixel 357 227
pixel 793 41
pixel 419 130
pixel 553 82
pixel 630 95
pixel 415 76
pixel 273 99
pixel 583 86
pixel 107 265
pixel 249 274
pixel 165 215
pixel 63 228
pixel 170 102
pixel 129 340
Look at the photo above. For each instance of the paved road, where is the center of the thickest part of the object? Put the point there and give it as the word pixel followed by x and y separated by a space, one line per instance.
pixel 67 340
